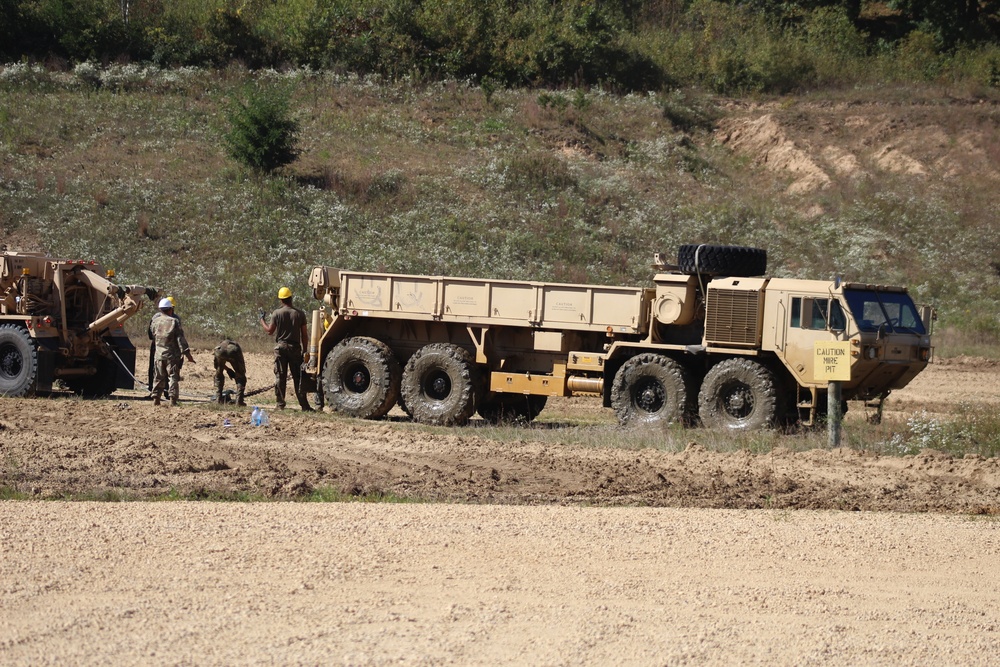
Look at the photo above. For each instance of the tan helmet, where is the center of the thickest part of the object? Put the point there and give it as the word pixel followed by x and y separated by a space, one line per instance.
pixel 284 293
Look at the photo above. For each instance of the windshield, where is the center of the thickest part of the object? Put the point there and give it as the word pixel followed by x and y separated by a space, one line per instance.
pixel 890 311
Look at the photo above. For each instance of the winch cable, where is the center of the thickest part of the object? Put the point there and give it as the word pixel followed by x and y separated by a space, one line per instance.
pixel 142 385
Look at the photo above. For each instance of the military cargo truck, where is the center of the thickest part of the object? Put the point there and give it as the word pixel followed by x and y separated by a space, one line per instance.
pixel 61 320
pixel 712 340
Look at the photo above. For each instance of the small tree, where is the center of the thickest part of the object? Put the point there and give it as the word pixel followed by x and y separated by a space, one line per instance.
pixel 262 133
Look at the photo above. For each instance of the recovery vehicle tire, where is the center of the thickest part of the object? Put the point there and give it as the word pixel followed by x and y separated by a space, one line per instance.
pixel 739 395
pixel 18 361
pixel 722 260
pixel 652 389
pixel 441 385
pixel 361 378
pixel 502 408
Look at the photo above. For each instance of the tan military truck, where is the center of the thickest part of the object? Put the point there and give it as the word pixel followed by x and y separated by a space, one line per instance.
pixel 712 339
pixel 61 320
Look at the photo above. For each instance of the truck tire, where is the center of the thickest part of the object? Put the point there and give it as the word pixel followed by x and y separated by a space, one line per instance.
pixel 511 408
pixel 18 361
pixel 739 395
pixel 441 383
pixel 651 389
pixel 361 378
pixel 725 260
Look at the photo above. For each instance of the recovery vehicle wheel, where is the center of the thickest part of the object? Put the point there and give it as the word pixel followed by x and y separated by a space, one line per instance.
pixel 361 378
pixel 441 385
pixel 18 361
pixel 504 408
pixel 726 260
pixel 651 389
pixel 738 394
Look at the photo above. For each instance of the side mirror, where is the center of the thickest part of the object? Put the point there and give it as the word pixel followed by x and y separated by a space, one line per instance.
pixel 928 316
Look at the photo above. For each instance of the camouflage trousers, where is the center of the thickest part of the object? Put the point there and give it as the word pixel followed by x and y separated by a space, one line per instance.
pixel 167 374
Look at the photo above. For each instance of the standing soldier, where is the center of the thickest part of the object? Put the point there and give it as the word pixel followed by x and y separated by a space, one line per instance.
pixel 288 326
pixel 152 346
pixel 171 345
pixel 229 352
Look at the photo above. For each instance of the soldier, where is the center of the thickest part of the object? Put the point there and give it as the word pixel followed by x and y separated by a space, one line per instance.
pixel 170 346
pixel 229 360
pixel 152 348
pixel 288 326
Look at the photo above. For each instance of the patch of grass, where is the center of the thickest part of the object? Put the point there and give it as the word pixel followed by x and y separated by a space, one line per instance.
pixel 328 494
pixel 11 493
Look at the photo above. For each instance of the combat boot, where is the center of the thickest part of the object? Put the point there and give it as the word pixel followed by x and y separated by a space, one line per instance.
pixel 173 402
pixel 156 400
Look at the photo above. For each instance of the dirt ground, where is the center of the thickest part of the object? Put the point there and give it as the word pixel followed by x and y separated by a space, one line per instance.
pixel 536 553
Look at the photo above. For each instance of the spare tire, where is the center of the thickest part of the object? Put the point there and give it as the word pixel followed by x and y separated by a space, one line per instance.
pixel 722 260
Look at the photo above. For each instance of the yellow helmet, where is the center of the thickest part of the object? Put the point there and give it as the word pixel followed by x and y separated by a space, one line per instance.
pixel 171 300
pixel 284 293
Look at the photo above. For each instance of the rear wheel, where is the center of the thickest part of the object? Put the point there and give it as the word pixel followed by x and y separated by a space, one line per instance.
pixel 504 408
pixel 738 394
pixel 18 361
pixel 441 385
pixel 361 378
pixel 651 389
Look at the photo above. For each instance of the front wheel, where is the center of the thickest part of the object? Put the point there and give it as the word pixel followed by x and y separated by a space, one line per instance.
pixel 361 378
pixel 441 385
pixel 739 395
pixel 651 389
pixel 18 361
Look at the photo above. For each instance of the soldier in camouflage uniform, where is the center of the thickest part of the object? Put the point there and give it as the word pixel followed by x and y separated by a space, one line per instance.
pixel 229 360
pixel 288 326
pixel 171 345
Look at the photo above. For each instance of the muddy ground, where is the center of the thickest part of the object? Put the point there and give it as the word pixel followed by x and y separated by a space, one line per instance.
pixel 58 446
pixel 538 553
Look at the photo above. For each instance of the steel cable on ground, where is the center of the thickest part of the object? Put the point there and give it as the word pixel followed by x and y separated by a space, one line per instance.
pixel 142 385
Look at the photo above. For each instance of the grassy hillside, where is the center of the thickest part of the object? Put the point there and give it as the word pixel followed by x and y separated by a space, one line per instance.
pixel 124 164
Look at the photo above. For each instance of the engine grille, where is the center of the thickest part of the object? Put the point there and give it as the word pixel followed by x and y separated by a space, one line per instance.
pixel 732 317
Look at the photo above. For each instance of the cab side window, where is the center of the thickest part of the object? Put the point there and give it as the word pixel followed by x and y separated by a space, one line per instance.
pixel 812 313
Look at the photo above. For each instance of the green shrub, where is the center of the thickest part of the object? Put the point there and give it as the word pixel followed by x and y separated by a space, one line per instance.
pixel 262 134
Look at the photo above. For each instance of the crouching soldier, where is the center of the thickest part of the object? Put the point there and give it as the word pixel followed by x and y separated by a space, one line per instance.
pixel 229 360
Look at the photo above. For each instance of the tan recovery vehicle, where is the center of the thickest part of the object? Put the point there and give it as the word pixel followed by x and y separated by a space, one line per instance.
pixel 62 319
pixel 712 340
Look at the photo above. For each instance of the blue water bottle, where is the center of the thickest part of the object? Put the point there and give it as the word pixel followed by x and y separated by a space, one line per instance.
pixel 255 416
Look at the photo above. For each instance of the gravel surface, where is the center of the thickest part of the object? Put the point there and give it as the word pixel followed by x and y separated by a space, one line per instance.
pixel 363 584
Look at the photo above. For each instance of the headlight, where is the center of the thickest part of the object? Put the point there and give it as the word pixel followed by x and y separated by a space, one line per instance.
pixel 871 352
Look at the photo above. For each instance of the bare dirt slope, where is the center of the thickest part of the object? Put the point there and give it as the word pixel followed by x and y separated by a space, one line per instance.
pixel 58 446
pixel 489 582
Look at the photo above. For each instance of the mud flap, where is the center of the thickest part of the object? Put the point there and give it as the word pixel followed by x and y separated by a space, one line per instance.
pixel 46 367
